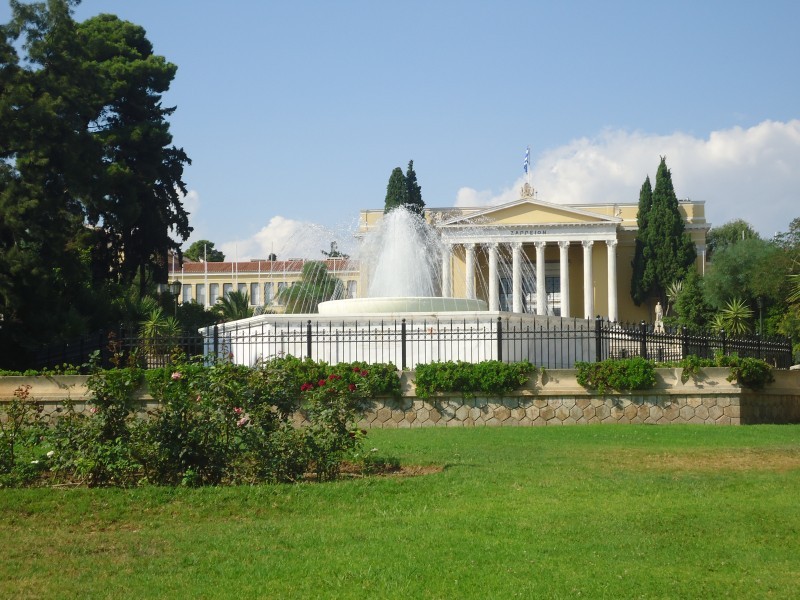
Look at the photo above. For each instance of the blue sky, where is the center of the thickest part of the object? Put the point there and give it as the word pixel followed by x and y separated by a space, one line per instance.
pixel 295 113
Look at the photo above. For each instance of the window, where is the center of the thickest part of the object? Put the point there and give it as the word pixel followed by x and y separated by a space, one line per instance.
pixel 200 293
pixel 351 288
pixel 227 288
pixel 242 288
pixel 281 287
pixel 268 293
pixel 255 295
pixel 186 290
pixel 214 293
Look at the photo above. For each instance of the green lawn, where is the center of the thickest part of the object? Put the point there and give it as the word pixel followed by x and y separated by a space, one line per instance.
pixel 593 511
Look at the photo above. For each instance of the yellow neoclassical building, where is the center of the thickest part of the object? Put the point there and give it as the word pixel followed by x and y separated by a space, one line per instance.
pixel 582 253
pixel 262 279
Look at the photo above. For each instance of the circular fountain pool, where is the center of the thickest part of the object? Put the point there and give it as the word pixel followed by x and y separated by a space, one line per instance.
pixel 405 304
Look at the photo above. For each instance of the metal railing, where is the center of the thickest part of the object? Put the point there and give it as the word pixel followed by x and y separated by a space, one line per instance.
pixel 550 343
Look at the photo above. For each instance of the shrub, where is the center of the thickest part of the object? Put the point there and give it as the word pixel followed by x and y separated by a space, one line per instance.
pixel 21 459
pixel 489 377
pixel 750 372
pixel 96 448
pixel 623 375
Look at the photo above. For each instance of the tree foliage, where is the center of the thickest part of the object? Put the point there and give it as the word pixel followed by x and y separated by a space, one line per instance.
pixel 233 306
pixel 204 250
pixel 404 190
pixel 316 286
pixel 413 191
pixel 334 252
pixel 639 287
pixel 664 251
pixel 396 190
pixel 691 308
pixel 90 183
pixel 727 234
pixel 747 270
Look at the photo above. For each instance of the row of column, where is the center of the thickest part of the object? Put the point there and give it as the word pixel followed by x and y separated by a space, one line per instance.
pixel 541 291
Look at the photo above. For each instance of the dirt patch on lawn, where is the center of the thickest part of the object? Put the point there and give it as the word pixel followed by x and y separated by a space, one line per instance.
pixel 739 459
pixel 350 470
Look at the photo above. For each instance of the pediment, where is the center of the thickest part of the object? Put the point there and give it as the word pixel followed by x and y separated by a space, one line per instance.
pixel 529 212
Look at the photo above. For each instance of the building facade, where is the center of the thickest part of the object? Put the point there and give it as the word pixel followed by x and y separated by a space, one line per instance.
pixel 583 254
pixel 262 280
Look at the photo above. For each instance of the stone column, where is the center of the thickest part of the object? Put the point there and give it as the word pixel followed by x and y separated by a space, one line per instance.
pixel 516 277
pixel 470 269
pixel 588 291
pixel 541 288
pixel 613 311
pixel 494 292
pixel 447 279
pixel 564 275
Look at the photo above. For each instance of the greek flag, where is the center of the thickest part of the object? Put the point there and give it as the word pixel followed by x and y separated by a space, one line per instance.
pixel 527 162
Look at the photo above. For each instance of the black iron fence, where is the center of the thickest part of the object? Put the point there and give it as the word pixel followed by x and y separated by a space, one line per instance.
pixel 551 343
pixel 119 347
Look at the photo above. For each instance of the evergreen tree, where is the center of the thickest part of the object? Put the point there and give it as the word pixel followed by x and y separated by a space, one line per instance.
pixel 396 190
pixel 639 288
pixel 731 232
pixel 204 250
pixel 667 251
pixel 693 311
pixel 414 200
pixel 749 270
pixel 83 141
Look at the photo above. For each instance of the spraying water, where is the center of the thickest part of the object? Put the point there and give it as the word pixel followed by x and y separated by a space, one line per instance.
pixel 403 257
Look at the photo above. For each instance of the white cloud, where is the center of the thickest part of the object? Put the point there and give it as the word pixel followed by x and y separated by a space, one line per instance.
pixel 288 238
pixel 739 173
pixel 750 174
pixel 191 202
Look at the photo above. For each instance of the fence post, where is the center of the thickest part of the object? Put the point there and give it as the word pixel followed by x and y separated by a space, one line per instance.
pixel 758 346
pixel 403 363
pixel 684 342
pixel 216 343
pixel 724 344
pixel 643 340
pixel 308 339
pixel 500 338
pixel 598 341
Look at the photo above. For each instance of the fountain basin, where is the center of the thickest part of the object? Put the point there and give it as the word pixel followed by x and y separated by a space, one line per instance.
pixel 409 304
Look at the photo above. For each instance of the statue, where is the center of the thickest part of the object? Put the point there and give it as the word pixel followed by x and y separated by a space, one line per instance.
pixel 527 190
pixel 659 324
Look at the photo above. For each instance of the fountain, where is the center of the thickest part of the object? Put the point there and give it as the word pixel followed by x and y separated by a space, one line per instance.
pixel 401 259
pixel 403 318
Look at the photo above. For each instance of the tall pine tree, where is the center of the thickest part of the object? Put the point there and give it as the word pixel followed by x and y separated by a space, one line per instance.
pixel 403 190
pixel 396 191
pixel 666 249
pixel 413 191
pixel 639 288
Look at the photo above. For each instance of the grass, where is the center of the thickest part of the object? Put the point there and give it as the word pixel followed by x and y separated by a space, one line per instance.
pixel 593 511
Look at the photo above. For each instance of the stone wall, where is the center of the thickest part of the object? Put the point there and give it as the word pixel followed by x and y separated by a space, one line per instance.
pixel 558 399
pixel 554 399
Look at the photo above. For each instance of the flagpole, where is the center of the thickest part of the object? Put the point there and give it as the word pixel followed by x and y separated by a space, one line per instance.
pixel 205 277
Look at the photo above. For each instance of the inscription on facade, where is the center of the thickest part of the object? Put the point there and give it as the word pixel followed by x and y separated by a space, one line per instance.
pixel 529 232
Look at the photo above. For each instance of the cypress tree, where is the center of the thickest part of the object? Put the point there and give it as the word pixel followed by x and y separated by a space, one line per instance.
pixel 666 249
pixel 639 289
pixel 396 191
pixel 414 200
